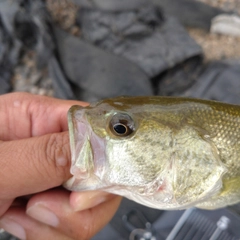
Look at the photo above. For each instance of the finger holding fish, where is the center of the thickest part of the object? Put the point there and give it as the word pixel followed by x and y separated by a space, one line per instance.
pixel 51 214
pixel 35 159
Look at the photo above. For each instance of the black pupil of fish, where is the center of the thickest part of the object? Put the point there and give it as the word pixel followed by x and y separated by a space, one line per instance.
pixel 120 129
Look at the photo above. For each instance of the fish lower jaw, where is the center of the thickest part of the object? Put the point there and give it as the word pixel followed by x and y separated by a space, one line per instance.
pixel 80 173
pixel 88 184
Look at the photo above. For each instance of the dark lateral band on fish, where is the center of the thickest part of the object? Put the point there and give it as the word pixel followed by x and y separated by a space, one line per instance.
pixel 163 152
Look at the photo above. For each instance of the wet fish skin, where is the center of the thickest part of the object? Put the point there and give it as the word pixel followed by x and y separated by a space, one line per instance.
pixel 180 152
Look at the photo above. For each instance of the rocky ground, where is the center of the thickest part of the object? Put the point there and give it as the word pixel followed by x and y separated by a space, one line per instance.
pixel 224 4
pixel 217 46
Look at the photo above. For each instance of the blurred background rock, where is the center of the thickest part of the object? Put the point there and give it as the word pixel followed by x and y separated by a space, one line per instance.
pixel 138 48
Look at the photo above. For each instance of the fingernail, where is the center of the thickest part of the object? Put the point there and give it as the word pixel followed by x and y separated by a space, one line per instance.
pixel 86 200
pixel 13 227
pixel 43 214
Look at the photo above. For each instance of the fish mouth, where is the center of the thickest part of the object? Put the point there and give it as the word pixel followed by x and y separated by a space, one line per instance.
pixel 88 153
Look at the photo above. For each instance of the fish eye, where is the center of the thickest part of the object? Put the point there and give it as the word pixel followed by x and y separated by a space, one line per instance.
pixel 122 125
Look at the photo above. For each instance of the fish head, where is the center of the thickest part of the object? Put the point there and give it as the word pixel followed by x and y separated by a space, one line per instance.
pixel 134 153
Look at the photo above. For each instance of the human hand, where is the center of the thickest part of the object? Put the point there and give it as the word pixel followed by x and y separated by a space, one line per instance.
pixel 34 160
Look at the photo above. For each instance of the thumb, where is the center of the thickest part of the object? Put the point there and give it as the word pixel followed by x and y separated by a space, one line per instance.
pixel 33 164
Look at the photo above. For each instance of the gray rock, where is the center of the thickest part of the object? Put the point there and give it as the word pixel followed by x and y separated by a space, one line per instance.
pixel 23 23
pixel 61 86
pixel 175 81
pixel 190 13
pixel 9 48
pixel 112 5
pixel 226 24
pixel 8 11
pixel 219 81
pixel 140 36
pixel 85 95
pixel 5 85
pixel 97 71
pixel 31 28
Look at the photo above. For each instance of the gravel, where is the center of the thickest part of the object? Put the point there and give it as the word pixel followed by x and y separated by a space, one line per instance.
pixel 217 46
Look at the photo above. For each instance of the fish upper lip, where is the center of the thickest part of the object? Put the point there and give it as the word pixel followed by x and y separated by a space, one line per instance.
pixel 87 168
pixel 87 148
pixel 79 132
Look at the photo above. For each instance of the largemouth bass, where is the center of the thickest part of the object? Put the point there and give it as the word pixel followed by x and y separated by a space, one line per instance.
pixel 163 152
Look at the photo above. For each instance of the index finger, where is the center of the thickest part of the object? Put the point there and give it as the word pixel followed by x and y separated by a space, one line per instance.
pixel 25 115
pixel 34 164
